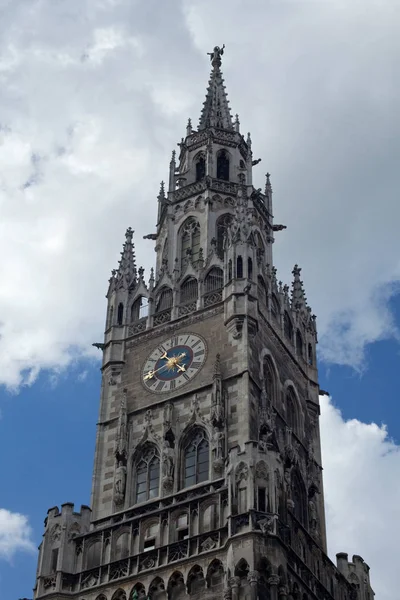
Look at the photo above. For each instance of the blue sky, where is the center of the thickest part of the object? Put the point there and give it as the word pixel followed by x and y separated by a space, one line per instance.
pixel 94 95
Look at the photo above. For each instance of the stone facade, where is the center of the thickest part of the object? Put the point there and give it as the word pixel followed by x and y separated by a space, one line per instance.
pixel 212 489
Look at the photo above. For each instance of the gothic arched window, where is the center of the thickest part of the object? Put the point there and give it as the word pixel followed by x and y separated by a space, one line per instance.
pixel 230 270
pixel 200 167
pixel 222 226
pixel 262 290
pixel 223 165
pixel 196 459
pixel 93 555
pixel 147 473
pixel 239 267
pixel 189 290
pixel 164 299
pixel 121 546
pixel 190 242
pixel 249 268
pixel 139 308
pixel 299 498
pixel 299 343
pixel 275 308
pixel 291 412
pixel 310 355
pixel 120 314
pixel 214 280
pixel 269 380
pixel 111 317
pixel 288 327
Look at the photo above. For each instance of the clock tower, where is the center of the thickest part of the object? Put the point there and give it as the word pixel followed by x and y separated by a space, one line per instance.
pixel 207 478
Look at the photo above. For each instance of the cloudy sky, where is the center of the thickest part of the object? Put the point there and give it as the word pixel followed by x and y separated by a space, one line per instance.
pixel 94 95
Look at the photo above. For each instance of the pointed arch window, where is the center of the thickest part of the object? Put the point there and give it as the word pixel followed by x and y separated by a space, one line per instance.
pixel 140 308
pixel 190 242
pixel 310 355
pixel 299 343
pixel 291 412
pixel 214 280
pixel 223 165
pixel 147 476
pixel 275 308
pixel 288 327
pixel 239 267
pixel 269 380
pixel 196 459
pixel 262 290
pixel 200 167
pixel 189 290
pixel 120 314
pixel 223 224
pixel 164 300
pixel 249 268
pixel 299 497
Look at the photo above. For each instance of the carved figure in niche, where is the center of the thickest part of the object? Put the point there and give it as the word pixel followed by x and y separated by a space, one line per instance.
pixel 218 449
pixel 312 513
pixel 168 456
pixel 120 483
pixel 288 486
pixel 168 413
pixel 242 472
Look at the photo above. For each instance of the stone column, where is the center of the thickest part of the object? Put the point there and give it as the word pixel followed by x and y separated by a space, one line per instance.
pixel 273 582
pixel 252 578
pixel 227 593
pixel 234 582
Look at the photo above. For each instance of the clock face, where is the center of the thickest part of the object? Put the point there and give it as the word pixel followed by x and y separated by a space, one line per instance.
pixel 174 362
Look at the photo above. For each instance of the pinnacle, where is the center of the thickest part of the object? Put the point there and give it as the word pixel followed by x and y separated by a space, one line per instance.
pixel 299 300
pixel 126 273
pixel 216 112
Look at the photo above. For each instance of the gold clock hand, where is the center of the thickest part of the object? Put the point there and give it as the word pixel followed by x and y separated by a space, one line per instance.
pixel 151 374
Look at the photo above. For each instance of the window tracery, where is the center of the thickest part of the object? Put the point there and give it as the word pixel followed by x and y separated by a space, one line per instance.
pixel 200 167
pixel 196 459
pixel 147 475
pixel 223 165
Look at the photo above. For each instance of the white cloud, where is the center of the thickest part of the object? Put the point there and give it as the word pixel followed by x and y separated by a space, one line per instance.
pixel 15 534
pixel 95 97
pixel 362 494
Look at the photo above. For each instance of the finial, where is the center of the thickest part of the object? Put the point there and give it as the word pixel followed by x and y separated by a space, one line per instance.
pixel 248 139
pixel 189 127
pixel 296 271
pixel 151 280
pixel 162 190
pixel 173 156
pixel 237 123
pixel 215 56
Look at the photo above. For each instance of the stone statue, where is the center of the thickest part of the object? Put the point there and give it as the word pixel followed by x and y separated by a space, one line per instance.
pixel 215 56
pixel 312 515
pixel 168 460
pixel 120 483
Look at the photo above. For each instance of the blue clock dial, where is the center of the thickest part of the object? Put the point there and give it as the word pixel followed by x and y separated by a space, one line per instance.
pixel 174 362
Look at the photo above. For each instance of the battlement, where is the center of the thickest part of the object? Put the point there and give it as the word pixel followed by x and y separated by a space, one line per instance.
pixel 356 572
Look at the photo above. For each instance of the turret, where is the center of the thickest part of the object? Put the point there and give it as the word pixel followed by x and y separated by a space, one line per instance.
pixel 57 550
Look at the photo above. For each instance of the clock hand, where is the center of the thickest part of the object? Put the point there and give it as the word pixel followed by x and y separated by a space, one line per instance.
pixel 170 363
pixel 151 374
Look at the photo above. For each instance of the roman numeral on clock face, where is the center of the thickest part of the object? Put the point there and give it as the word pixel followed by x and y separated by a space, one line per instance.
pixel 172 385
pixel 196 365
pixel 198 353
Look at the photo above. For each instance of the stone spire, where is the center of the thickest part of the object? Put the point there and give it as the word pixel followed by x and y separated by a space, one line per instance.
pixel 299 301
pixel 126 273
pixel 215 112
